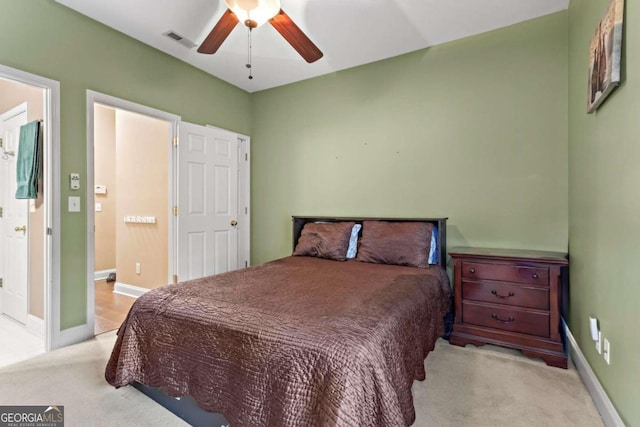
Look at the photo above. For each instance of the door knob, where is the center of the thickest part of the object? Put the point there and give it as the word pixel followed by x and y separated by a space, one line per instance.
pixel 23 229
pixel 234 223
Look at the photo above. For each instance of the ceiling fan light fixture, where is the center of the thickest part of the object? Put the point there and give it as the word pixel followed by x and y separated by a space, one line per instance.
pixel 254 13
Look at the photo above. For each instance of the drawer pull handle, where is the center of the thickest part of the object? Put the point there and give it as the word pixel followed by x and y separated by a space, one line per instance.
pixel 535 275
pixel 494 292
pixel 509 320
pixel 472 270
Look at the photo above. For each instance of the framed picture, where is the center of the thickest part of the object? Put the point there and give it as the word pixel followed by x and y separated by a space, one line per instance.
pixel 604 56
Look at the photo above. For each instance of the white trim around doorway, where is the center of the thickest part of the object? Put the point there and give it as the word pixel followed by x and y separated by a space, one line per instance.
pixel 94 98
pixel 244 201
pixel 54 337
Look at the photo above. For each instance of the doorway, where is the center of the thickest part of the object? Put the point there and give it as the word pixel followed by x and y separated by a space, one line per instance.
pixel 25 244
pixel 201 162
pixel 20 337
pixel 132 160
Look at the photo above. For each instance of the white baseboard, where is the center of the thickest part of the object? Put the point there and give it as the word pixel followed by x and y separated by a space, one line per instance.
pixel 103 274
pixel 607 411
pixel 35 325
pixel 129 290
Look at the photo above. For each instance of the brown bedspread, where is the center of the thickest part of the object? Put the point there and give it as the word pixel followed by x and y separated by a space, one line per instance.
pixel 298 341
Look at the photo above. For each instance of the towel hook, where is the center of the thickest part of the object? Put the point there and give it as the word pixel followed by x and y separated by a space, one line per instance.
pixel 5 153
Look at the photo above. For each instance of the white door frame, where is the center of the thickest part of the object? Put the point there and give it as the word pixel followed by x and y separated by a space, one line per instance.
pixel 244 199
pixel 51 175
pixel 120 104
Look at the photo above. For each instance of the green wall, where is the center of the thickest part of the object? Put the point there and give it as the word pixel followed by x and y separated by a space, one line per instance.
pixel 604 202
pixel 45 38
pixel 475 130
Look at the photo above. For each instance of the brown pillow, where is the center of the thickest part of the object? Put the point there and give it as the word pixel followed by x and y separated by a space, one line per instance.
pixel 325 240
pixel 399 243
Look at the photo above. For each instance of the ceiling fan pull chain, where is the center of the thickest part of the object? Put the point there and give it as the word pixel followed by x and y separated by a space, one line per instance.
pixel 249 54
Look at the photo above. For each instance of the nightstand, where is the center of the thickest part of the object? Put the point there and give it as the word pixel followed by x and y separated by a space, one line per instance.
pixel 510 298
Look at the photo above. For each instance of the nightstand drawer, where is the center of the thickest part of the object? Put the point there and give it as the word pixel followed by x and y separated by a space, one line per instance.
pixel 505 293
pixel 526 322
pixel 505 273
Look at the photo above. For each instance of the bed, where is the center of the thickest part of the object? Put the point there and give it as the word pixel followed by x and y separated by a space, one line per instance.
pixel 304 340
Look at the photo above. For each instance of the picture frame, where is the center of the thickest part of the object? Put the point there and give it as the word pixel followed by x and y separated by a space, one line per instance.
pixel 605 55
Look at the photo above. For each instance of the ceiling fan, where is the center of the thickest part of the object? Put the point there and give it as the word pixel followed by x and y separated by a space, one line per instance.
pixel 254 13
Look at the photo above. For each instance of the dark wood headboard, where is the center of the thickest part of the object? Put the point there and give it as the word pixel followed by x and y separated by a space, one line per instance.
pixel 441 223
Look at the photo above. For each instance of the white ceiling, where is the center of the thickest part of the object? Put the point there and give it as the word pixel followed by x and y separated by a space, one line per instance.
pixel 349 32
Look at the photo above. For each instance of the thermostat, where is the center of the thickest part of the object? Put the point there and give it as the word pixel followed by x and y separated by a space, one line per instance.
pixel 74 181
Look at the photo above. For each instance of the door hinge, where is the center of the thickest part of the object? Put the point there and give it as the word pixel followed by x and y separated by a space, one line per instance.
pixel 1 212
pixel 0 282
pixel 175 278
pixel 175 211
pixel 246 157
pixel 246 210
pixel 175 141
pixel 1 143
pixel 49 231
pixel 246 264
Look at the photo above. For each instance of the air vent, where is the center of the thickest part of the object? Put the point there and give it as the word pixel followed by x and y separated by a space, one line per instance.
pixel 174 36
pixel 182 40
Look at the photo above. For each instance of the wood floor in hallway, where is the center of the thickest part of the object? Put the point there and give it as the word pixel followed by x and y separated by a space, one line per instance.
pixel 111 308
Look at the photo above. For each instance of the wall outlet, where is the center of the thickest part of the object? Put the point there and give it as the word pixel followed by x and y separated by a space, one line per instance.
pixel 607 351
pixel 137 268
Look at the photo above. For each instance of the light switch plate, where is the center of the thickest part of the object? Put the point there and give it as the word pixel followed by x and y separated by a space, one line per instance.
pixel 74 204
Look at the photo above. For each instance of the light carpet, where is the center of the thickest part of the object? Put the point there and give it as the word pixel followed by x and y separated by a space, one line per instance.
pixel 486 386
pixel 16 343
pixel 494 386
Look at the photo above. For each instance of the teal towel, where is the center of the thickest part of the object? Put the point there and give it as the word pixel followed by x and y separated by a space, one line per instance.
pixel 28 163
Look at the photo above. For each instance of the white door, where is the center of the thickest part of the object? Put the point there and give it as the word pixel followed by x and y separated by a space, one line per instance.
pixel 207 201
pixel 13 221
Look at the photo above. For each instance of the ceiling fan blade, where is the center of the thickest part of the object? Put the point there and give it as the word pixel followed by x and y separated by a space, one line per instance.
pixel 219 33
pixel 296 38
